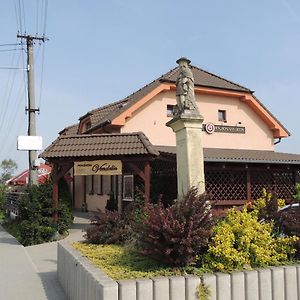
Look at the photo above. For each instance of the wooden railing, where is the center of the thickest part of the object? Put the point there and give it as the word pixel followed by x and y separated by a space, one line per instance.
pixel 12 200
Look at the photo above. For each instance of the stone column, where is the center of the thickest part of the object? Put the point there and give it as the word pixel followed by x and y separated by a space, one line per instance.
pixel 187 125
pixel 189 154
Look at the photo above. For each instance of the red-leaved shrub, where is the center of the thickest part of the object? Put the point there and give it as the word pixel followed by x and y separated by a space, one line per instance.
pixel 107 228
pixel 177 234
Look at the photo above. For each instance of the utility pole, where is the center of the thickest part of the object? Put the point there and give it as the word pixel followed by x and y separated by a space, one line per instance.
pixel 31 109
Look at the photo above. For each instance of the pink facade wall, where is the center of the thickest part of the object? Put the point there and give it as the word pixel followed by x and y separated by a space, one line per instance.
pixel 152 117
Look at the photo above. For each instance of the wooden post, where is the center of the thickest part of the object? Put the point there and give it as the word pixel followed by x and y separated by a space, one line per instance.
pixel 55 194
pixel 147 181
pixel 248 185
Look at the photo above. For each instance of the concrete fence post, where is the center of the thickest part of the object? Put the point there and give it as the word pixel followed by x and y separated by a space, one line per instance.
pixel 277 283
pixel 251 285
pixel 177 287
pixel 211 281
pixel 265 284
pixel 127 290
pixel 290 283
pixel 161 288
pixel 223 286
pixel 144 289
pixel 237 286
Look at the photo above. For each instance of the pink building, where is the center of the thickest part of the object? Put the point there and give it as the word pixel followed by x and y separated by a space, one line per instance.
pixel 239 137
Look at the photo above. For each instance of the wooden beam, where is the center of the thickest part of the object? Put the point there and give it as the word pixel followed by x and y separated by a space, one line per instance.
pixel 137 170
pixel 55 194
pixel 147 173
pixel 248 185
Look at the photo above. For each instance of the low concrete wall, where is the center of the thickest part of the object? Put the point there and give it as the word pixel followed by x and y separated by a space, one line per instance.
pixel 81 280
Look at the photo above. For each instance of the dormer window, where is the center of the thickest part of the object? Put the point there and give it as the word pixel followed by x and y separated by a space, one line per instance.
pixel 88 125
pixel 222 116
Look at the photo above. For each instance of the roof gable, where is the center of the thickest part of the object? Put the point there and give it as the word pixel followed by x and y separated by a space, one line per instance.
pixel 205 82
pixel 95 145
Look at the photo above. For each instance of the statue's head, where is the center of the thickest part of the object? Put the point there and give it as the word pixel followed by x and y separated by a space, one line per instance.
pixel 183 62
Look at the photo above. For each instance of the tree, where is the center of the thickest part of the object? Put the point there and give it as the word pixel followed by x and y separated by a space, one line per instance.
pixel 8 167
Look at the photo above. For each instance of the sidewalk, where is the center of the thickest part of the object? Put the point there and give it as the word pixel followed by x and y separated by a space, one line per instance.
pixel 19 278
pixel 30 272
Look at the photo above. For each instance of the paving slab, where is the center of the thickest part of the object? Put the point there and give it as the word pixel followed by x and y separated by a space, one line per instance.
pixel 30 273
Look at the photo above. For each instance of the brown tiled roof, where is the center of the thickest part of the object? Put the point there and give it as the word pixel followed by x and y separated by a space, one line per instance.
pixel 70 130
pixel 83 146
pixel 241 156
pixel 202 78
pixel 205 79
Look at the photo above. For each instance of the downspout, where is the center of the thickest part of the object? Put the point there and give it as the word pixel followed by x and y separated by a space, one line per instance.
pixel 277 142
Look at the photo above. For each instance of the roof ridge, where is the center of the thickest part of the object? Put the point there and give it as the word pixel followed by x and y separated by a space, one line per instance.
pixel 97 134
pixel 222 78
pixel 102 107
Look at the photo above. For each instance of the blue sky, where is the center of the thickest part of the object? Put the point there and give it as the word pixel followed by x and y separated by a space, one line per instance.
pixel 101 51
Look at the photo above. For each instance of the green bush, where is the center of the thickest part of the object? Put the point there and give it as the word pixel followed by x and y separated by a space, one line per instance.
pixel 36 214
pixel 177 234
pixel 296 196
pixel 3 190
pixel 241 241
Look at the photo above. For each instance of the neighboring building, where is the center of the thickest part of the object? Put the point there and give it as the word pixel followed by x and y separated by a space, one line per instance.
pixel 239 137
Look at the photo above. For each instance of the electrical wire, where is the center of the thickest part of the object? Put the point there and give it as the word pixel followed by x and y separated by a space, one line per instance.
pixel 24 14
pixel 16 15
pixel 16 44
pixel 20 16
pixel 8 93
pixel 45 17
pixel 37 16
pixel 9 50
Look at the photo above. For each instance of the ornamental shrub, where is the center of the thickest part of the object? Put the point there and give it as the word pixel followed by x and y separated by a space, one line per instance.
pixel 177 234
pixel 36 215
pixel 112 227
pixel 267 206
pixel 296 196
pixel 241 241
pixel 108 228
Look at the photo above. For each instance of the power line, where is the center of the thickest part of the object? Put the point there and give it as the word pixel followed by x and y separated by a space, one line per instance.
pixel 15 44
pixel 12 68
pixel 45 16
pixel 16 15
pixel 20 16
pixel 37 16
pixel 24 14
pixel 9 50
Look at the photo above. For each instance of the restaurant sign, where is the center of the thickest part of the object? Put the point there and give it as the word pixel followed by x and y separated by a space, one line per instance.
pixel 98 167
pixel 211 128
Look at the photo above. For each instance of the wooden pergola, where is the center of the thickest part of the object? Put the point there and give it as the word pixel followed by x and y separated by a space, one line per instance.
pixel 133 149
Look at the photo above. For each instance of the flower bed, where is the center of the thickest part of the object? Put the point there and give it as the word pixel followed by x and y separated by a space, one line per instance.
pixel 82 280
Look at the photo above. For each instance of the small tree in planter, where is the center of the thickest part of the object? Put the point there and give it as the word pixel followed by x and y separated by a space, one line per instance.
pixel 177 234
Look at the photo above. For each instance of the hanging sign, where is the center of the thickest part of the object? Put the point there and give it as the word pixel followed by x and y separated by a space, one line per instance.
pixel 30 142
pixel 98 167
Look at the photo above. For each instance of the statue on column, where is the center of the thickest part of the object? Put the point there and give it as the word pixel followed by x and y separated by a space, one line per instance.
pixel 185 95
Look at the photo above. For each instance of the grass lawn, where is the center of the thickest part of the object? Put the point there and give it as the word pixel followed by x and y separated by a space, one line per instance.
pixel 120 263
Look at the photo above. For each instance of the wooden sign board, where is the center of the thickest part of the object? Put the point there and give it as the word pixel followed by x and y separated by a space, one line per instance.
pixel 98 167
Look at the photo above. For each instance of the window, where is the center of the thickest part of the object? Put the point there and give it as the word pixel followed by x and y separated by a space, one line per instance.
pixel 222 116
pixel 88 125
pixel 170 108
pixel 89 184
pixel 128 187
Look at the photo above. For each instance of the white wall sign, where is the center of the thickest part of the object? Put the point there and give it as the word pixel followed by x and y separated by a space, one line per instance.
pixel 30 143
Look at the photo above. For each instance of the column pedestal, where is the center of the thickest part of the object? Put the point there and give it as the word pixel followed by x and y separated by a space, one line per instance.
pixel 189 153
